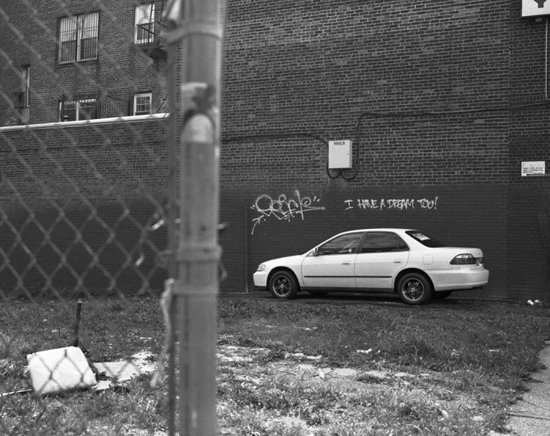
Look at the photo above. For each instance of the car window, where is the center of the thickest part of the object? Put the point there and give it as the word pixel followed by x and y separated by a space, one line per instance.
pixel 425 239
pixel 343 244
pixel 383 242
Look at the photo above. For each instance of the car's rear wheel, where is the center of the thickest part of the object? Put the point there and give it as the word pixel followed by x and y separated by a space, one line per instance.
pixel 441 295
pixel 283 284
pixel 414 288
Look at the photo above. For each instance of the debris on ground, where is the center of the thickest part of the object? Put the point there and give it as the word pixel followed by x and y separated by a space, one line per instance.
pixel 59 370
pixel 123 371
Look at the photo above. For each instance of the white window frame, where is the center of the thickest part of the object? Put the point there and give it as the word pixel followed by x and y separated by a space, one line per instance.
pixel 77 104
pixel 145 14
pixel 78 28
pixel 148 95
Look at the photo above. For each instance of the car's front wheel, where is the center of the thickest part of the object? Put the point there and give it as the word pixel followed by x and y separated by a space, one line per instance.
pixel 414 288
pixel 283 284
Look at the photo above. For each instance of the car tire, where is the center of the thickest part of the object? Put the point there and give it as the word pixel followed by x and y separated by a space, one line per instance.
pixel 414 288
pixel 283 285
pixel 441 295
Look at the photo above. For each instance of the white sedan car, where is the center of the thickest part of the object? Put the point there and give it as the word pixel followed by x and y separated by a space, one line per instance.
pixel 405 261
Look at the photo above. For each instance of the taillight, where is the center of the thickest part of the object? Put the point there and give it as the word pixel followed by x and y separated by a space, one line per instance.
pixel 464 259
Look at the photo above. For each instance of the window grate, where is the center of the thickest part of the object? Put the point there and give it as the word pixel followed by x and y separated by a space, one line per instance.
pixel 144 30
pixel 78 110
pixel 78 38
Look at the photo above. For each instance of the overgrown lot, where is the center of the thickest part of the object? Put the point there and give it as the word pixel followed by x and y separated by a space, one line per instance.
pixel 328 367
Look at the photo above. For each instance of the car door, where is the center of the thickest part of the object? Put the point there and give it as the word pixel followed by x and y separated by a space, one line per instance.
pixel 332 265
pixel 382 255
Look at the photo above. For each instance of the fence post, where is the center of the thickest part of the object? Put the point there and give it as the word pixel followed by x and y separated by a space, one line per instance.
pixel 198 25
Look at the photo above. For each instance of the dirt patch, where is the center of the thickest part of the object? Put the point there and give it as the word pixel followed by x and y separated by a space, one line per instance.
pixel 298 394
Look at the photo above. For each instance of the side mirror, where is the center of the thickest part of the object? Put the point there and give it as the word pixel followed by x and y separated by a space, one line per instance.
pixel 316 251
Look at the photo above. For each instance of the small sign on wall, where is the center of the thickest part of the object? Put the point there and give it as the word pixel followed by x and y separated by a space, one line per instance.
pixel 533 168
pixel 535 8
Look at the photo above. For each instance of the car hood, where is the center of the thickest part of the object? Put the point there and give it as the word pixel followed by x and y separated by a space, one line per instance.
pixel 286 261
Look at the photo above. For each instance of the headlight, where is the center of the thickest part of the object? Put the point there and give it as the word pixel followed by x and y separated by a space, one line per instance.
pixel 261 267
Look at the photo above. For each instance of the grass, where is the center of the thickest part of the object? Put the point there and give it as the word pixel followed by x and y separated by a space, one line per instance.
pixel 330 367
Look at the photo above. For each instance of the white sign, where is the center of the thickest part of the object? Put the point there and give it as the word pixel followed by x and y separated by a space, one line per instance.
pixel 535 8
pixel 533 168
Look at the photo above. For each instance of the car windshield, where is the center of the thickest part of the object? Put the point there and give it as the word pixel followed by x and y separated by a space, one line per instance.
pixel 426 240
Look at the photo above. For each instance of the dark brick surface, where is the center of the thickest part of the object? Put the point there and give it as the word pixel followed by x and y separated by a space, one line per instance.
pixel 441 100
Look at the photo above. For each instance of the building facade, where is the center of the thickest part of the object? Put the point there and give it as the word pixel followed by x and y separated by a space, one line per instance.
pixel 444 105
pixel 83 60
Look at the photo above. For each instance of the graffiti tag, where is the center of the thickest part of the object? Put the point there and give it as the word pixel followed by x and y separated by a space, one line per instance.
pixel 392 203
pixel 283 207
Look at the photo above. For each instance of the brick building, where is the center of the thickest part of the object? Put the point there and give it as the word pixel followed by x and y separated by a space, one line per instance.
pixel 83 59
pixel 444 104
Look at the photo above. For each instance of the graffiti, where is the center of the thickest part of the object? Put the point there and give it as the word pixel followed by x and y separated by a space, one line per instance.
pixel 392 203
pixel 283 207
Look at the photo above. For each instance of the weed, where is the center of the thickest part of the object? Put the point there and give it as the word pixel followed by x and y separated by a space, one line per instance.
pixel 420 371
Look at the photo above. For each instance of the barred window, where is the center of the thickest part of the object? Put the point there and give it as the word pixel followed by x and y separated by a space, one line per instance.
pixel 78 38
pixel 144 30
pixel 78 110
pixel 142 103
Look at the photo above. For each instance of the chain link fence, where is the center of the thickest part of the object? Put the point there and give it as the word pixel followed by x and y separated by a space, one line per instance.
pixel 87 195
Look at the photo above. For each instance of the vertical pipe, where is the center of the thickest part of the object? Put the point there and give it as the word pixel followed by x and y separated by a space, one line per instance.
pixel 172 213
pixel 76 337
pixel 198 252
pixel 246 249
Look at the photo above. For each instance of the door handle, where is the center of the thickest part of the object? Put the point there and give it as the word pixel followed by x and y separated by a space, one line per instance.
pixel 346 263
pixel 397 261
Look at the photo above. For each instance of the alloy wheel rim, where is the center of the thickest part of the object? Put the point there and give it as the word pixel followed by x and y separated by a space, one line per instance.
pixel 281 286
pixel 413 290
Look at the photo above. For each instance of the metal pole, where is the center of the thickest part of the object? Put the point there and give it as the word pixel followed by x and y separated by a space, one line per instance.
pixel 546 62
pixel 199 28
pixel 76 336
pixel 246 287
pixel 172 233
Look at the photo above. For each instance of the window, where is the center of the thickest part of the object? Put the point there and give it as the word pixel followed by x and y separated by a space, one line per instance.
pixel 383 242
pixel 142 104
pixel 78 38
pixel 78 110
pixel 343 244
pixel 144 31
pixel 23 96
pixel 426 240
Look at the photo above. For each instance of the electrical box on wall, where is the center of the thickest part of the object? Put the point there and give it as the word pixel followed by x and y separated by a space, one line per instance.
pixel 535 8
pixel 339 154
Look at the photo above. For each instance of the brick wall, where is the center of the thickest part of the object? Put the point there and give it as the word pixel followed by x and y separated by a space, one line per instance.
pixel 418 87
pixel 441 100
pixel 529 258
pixel 282 220
pixel 13 19
pixel 77 206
